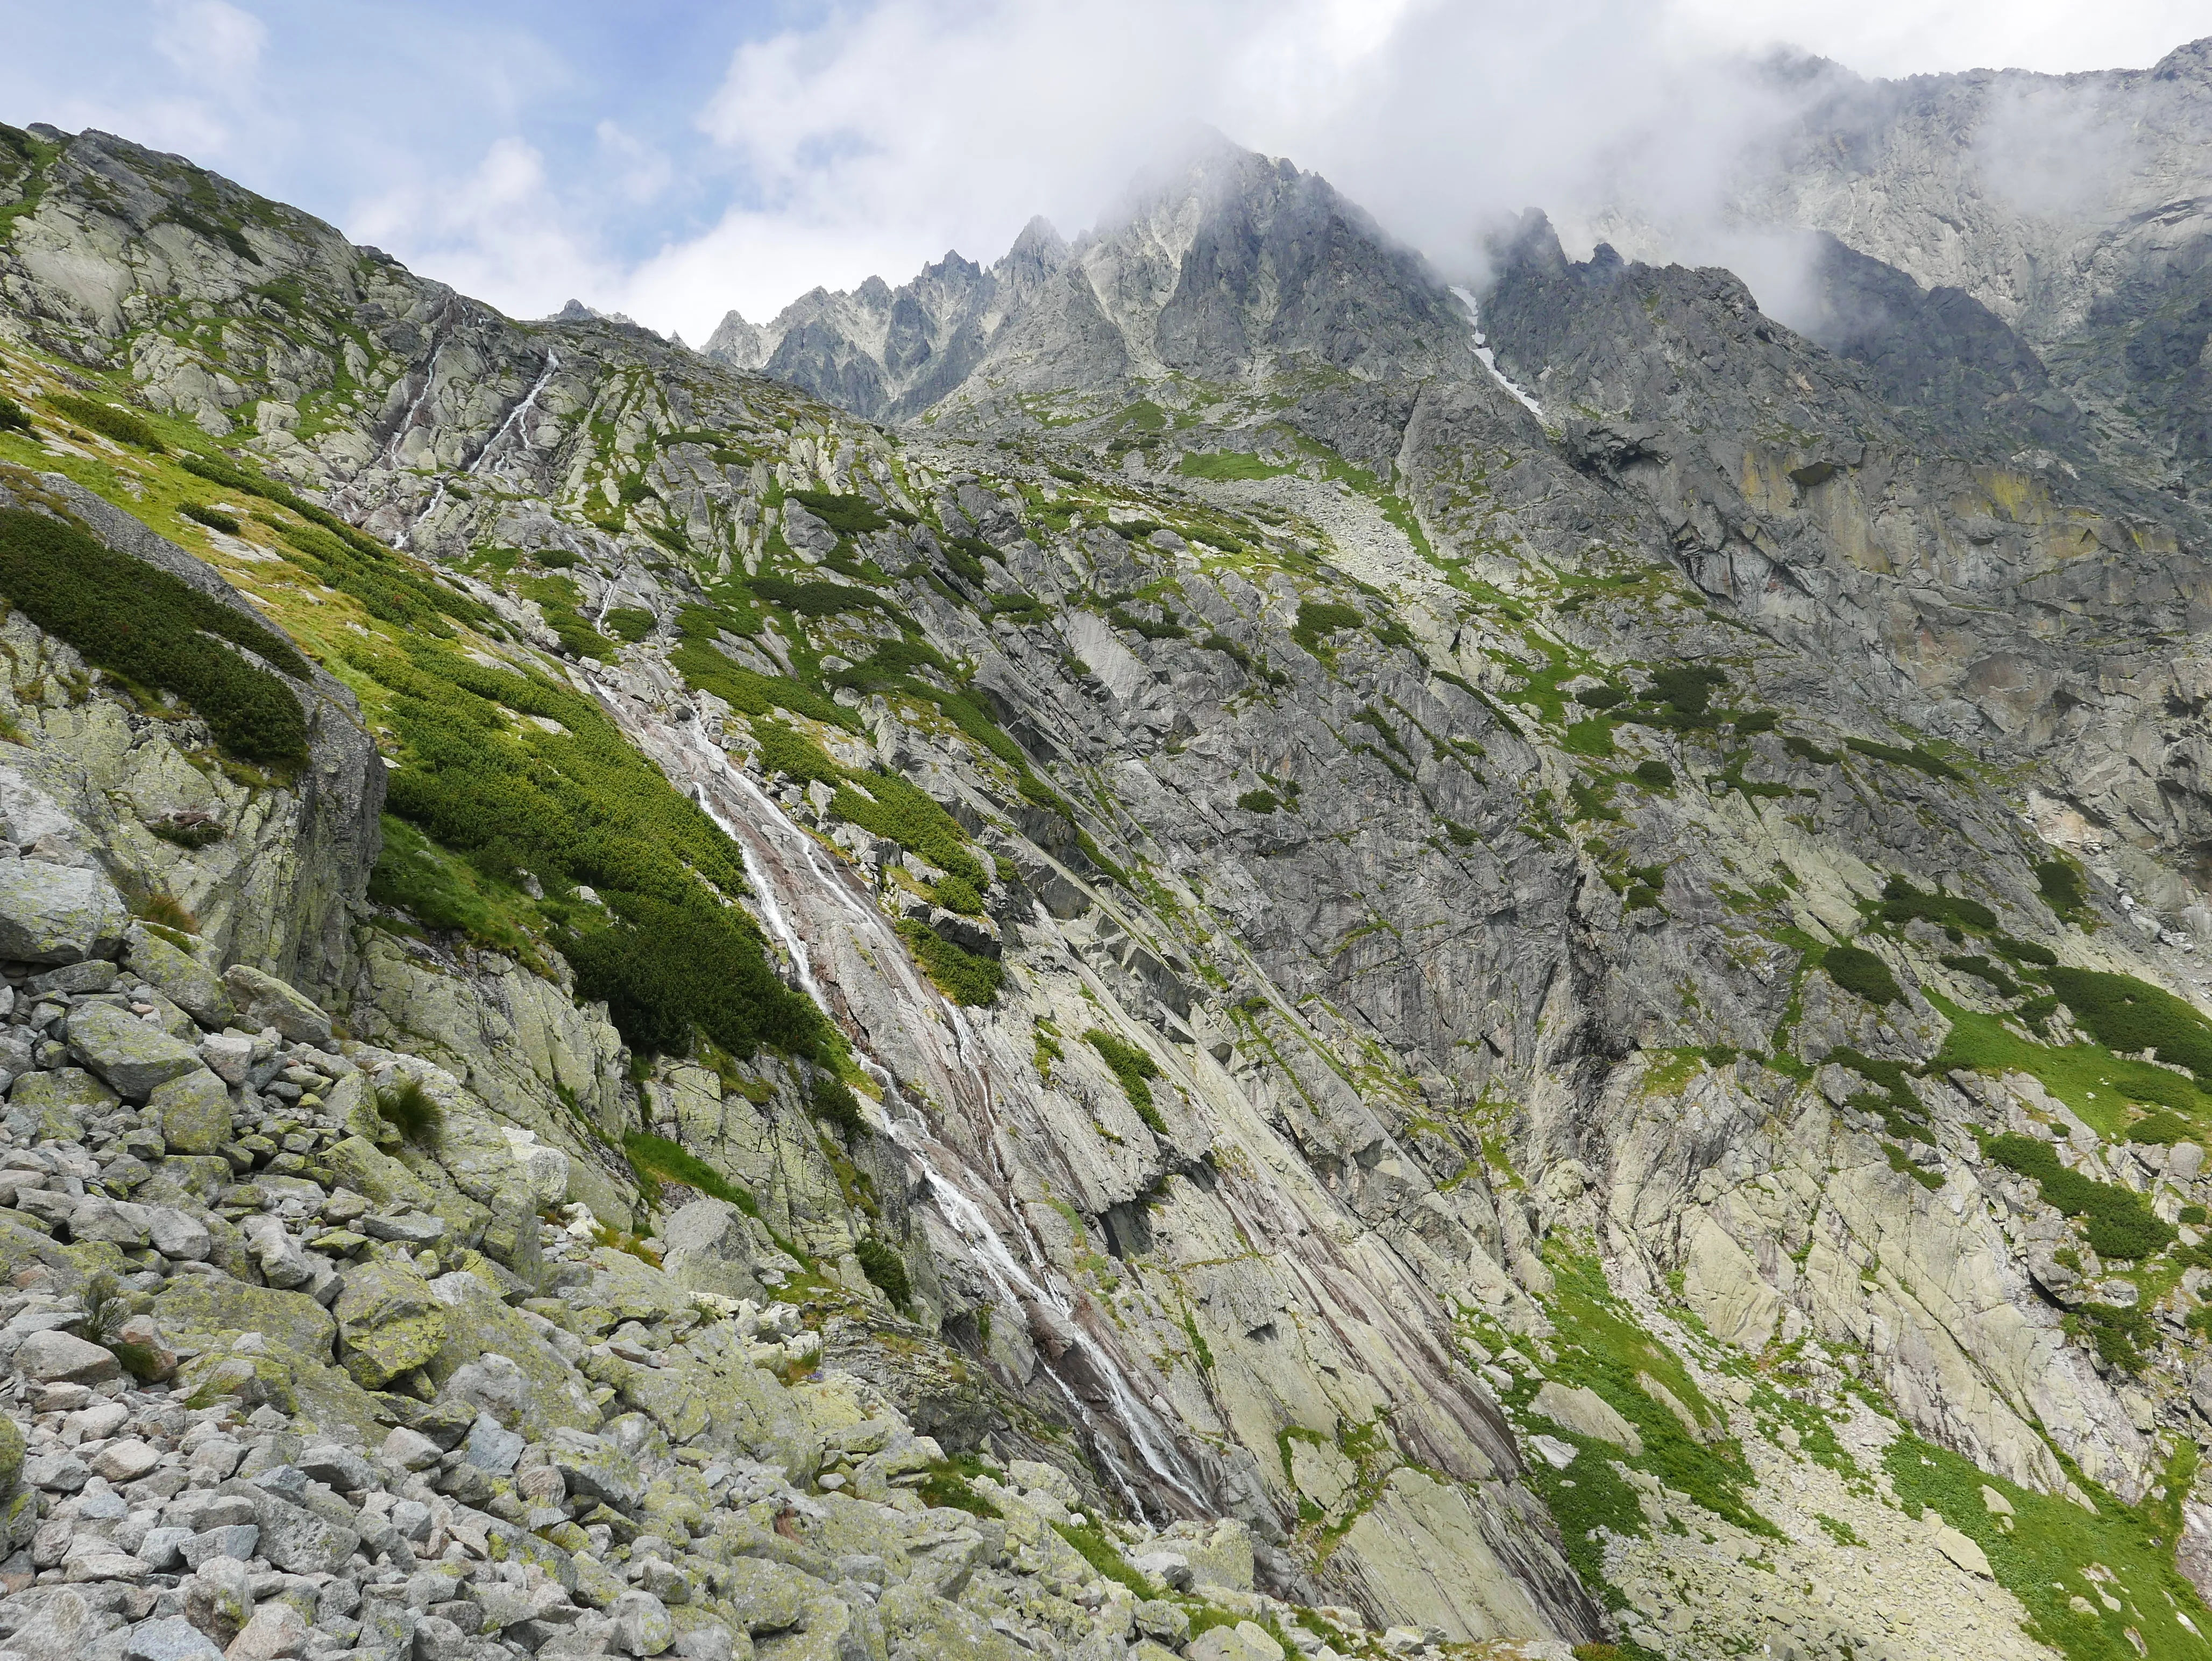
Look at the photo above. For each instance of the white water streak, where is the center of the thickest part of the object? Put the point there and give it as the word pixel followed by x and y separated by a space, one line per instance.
pixel 1035 1284
pixel 552 362
pixel 1489 361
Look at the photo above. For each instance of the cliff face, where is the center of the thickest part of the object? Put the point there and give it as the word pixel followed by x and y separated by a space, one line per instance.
pixel 1525 973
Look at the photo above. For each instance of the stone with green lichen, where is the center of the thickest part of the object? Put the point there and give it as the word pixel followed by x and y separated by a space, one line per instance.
pixel 57 1103
pixel 357 1164
pixel 479 1322
pixel 194 1113
pixel 389 1321
pixel 181 977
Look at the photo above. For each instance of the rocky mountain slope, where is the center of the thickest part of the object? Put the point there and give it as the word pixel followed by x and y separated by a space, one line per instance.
pixel 2072 208
pixel 1286 978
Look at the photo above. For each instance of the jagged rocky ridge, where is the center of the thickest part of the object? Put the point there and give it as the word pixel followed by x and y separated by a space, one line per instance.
pixel 1464 1066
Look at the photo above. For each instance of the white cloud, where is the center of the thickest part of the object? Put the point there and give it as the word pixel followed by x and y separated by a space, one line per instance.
pixel 876 135
pixel 498 231
pixel 210 40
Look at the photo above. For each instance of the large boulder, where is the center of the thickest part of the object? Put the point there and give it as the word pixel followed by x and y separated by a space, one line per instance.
pixel 193 1112
pixel 58 913
pixel 709 1249
pixel 186 982
pixel 390 1321
pixel 266 1001
pixel 135 1057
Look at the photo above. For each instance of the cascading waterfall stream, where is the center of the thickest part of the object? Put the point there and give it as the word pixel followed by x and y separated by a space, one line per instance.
pixel 1022 1286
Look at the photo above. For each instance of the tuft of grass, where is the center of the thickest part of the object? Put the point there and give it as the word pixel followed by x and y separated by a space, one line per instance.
pixel 164 910
pixel 107 1307
pixel 153 630
pixel 410 1110
pixel 1134 1070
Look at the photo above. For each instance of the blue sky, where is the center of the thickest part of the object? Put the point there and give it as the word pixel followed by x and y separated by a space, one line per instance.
pixel 672 160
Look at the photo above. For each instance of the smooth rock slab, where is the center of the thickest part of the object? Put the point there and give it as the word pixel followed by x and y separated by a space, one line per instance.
pixel 266 1001
pixel 172 1638
pixel 65 1358
pixel 58 913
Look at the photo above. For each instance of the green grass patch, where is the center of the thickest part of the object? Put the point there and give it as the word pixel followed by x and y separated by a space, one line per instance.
pixel 2045 1559
pixel 153 630
pixel 2087 1077
pixel 1091 1545
pixel 1229 464
pixel 656 1160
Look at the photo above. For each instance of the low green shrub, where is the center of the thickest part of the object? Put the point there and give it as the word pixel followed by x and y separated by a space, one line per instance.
pixel 1901 903
pixel 2120 1225
pixel 1805 751
pixel 154 630
pixel 12 418
pixel 831 1100
pixel 1686 689
pixel 1134 1070
pixel 213 517
pixel 1858 971
pixel 1317 619
pixel 630 623
pixel 2163 1129
pixel 1260 801
pixel 109 421
pixel 1654 775
pixel 2125 1014
pixel 1934 766
pixel 886 1271
pixel 819 597
pixel 958 894
pixel 961 975
pixel 848 516
pixel 2059 882
pixel 1601 697
pixel 1982 969
pixel 580 805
